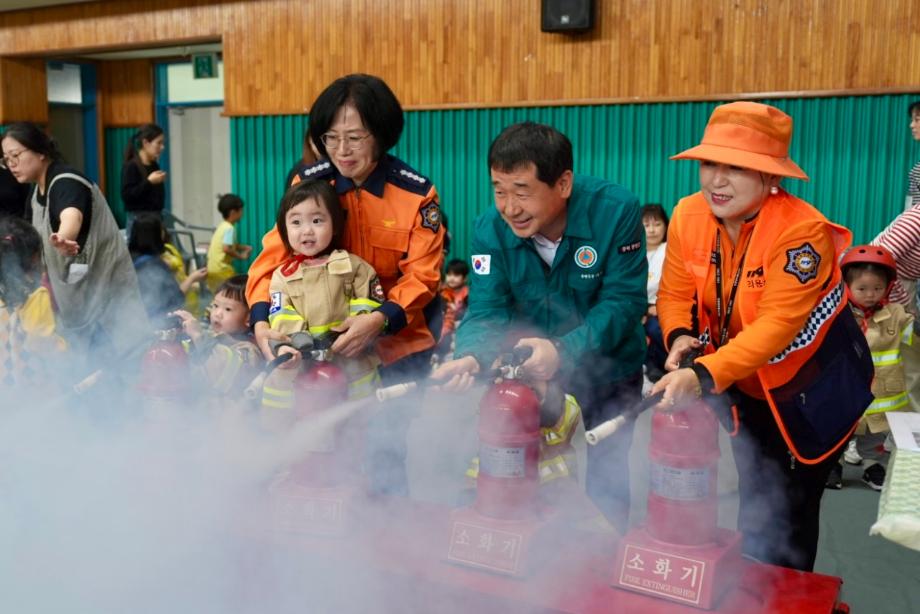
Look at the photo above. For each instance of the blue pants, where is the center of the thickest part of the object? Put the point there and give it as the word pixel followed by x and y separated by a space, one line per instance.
pixel 608 462
pixel 385 462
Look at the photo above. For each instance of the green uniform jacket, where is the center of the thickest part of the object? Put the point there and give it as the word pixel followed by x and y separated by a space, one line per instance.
pixel 591 300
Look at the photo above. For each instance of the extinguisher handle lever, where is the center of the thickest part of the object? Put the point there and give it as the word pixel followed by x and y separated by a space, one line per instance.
pixel 520 354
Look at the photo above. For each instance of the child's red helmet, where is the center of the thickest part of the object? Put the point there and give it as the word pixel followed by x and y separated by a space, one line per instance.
pixel 869 254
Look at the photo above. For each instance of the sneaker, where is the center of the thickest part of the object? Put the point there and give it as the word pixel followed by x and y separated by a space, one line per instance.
pixel 874 477
pixel 851 454
pixel 835 478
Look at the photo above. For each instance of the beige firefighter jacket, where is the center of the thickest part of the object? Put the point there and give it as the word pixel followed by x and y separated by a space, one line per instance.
pixel 315 298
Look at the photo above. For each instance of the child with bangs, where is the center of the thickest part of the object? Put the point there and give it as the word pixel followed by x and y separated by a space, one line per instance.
pixel 317 288
pixel 225 352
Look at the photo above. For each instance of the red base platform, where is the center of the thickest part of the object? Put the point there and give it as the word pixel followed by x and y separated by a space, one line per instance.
pixel 693 575
pixel 393 559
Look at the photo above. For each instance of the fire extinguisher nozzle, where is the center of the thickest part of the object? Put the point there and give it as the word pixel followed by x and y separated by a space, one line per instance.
pixel 604 430
pixel 395 391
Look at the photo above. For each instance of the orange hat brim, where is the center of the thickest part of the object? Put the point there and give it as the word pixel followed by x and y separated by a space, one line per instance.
pixel 744 159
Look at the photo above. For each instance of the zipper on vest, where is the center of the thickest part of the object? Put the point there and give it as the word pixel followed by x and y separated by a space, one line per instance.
pixel 791 459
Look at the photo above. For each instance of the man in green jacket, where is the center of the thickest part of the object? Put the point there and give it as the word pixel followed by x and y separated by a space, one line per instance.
pixel 559 265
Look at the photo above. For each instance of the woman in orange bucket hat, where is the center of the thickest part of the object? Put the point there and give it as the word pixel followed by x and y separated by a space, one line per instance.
pixel 751 282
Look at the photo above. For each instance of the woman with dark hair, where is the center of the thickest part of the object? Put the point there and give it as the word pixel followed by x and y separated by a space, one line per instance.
pixel 142 180
pixel 655 221
pixel 160 290
pixel 393 222
pixel 753 297
pixel 87 261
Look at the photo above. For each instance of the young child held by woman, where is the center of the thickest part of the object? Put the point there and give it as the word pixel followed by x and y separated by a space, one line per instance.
pixel 317 288
pixel 225 351
pixel 869 273
pixel 28 341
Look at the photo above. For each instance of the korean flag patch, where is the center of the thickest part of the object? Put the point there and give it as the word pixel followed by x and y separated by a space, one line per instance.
pixel 802 262
pixel 482 264
pixel 276 303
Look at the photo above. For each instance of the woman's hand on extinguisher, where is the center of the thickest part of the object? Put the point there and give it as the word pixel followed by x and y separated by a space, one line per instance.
pixel 457 375
pixel 543 362
pixel 682 346
pixel 678 387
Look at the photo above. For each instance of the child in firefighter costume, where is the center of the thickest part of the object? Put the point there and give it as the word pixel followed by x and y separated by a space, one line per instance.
pixel 317 288
pixel 751 279
pixel 28 340
pixel 225 354
pixel 870 272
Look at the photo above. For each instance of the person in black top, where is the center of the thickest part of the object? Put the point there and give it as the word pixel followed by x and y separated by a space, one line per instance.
pixel 142 181
pixel 13 195
pixel 86 259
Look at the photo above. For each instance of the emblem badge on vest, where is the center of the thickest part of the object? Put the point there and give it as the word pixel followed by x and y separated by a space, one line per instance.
pixel 585 256
pixel 431 216
pixel 802 262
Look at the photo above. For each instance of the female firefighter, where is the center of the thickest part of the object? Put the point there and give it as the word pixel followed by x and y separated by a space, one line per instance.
pixel 751 280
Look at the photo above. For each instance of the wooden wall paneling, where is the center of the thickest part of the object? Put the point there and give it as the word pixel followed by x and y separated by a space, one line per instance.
pixel 126 89
pixel 280 53
pixel 23 91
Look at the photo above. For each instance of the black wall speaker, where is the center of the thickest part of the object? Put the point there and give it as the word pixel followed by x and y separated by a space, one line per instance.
pixel 567 15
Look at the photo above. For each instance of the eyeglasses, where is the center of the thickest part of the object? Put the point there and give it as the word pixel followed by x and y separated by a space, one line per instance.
pixel 352 142
pixel 12 158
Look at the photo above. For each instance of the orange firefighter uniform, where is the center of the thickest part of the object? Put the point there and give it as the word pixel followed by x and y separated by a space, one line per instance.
pixel 393 222
pixel 793 339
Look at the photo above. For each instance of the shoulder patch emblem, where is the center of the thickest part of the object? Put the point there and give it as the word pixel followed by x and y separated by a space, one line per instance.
pixel 482 264
pixel 376 290
pixel 431 216
pixel 276 303
pixel 802 262
pixel 586 256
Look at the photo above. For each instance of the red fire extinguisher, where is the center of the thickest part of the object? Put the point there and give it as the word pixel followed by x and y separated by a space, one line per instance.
pixel 319 386
pixel 683 461
pixel 509 444
pixel 683 464
pixel 165 367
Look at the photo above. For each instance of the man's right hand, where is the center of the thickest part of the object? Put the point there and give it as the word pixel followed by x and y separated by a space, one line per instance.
pixel 680 348
pixel 457 375
pixel 264 334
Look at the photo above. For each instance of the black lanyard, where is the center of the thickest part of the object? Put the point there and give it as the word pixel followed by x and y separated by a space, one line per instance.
pixel 717 260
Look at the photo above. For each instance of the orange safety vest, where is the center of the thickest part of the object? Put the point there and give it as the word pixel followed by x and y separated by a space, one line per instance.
pixel 392 222
pixel 819 385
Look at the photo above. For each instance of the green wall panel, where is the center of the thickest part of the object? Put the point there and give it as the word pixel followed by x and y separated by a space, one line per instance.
pixel 857 151
pixel 116 140
pixel 263 150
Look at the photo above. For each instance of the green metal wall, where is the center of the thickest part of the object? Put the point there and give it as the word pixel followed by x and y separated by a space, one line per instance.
pixel 857 151
pixel 263 150
pixel 116 139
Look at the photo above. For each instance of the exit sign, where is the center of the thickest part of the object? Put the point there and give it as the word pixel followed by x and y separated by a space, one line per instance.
pixel 204 66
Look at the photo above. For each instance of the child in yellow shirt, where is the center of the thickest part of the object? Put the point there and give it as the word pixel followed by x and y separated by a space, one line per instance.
pixel 28 338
